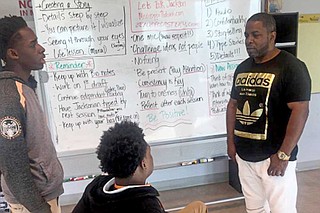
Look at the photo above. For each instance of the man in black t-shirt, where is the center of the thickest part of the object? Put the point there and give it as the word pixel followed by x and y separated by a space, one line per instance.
pixel 266 115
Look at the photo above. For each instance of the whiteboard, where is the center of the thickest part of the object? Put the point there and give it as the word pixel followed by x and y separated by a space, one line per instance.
pixel 166 64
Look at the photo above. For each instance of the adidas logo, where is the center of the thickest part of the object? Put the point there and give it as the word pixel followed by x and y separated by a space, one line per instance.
pixel 254 79
pixel 246 117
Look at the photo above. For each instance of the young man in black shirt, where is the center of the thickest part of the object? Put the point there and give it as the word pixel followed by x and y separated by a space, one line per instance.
pixel 126 157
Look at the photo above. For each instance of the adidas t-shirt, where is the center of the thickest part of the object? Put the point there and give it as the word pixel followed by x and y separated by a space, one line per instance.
pixel 262 92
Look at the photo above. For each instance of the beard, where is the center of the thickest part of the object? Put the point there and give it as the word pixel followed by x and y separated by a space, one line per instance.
pixel 257 52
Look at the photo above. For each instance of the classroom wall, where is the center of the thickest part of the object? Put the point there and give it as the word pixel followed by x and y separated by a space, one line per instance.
pixel 307 7
pixel 309 146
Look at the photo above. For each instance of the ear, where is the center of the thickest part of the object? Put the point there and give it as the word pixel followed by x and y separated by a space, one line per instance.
pixel 12 54
pixel 143 164
pixel 273 36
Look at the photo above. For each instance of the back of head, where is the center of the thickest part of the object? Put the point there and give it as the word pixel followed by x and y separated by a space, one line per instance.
pixel 9 26
pixel 121 149
pixel 267 20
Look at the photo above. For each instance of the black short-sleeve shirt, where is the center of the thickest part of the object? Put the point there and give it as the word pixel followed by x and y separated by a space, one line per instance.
pixel 262 92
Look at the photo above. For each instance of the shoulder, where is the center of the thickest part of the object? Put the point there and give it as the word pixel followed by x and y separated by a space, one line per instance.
pixel 150 204
pixel 9 84
pixel 244 65
pixel 290 60
pixel 293 65
pixel 295 78
pixel 98 181
pixel 11 96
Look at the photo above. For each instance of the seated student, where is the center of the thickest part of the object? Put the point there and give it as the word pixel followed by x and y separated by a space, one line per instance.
pixel 126 157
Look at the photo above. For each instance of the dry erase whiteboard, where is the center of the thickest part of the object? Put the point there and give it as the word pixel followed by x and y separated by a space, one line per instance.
pixel 166 64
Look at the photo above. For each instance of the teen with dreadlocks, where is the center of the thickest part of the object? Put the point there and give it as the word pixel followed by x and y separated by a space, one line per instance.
pixel 31 174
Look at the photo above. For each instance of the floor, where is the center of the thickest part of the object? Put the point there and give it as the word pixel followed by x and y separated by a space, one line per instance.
pixel 222 198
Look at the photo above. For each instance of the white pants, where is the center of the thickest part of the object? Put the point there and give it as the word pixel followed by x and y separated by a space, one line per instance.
pixel 264 193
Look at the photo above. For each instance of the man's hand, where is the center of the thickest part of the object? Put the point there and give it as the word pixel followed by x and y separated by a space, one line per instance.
pixel 232 151
pixel 277 167
pixel 231 119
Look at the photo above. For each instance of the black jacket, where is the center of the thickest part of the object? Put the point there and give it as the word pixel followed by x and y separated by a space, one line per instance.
pixel 30 169
pixel 100 196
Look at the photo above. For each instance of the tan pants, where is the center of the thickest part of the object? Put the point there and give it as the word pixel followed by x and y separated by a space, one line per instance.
pixel 195 207
pixel 18 208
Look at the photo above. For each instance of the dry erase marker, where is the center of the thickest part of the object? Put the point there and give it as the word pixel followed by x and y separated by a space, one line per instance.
pixel 81 178
pixel 189 163
pixel 210 159
pixel 194 162
pixel 185 163
pixel 206 160
pixel 203 160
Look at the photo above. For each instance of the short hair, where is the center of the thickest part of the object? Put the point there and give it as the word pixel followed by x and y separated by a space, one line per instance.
pixel 9 26
pixel 267 20
pixel 121 149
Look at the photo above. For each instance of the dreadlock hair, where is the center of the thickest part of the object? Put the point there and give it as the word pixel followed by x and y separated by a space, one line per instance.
pixel 9 26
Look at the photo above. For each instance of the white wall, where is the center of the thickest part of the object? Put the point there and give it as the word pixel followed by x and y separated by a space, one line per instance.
pixel 309 146
pixel 306 6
